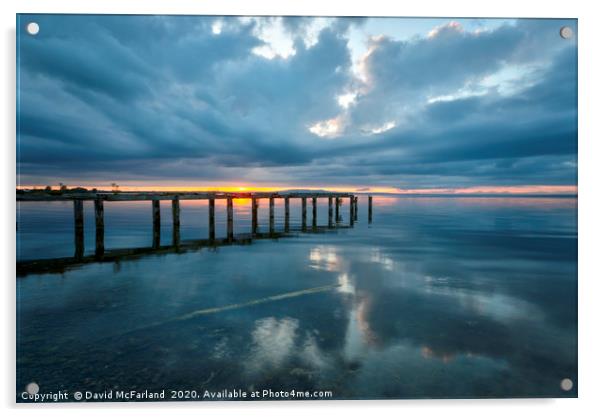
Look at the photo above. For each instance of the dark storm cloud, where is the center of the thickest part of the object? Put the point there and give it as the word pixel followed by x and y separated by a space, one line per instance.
pixel 105 98
pixel 541 120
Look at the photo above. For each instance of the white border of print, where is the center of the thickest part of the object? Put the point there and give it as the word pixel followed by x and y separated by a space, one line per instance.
pixel 589 201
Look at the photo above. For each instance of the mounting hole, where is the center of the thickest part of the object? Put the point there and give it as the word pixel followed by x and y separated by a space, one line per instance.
pixel 32 388
pixel 32 28
pixel 566 384
pixel 566 32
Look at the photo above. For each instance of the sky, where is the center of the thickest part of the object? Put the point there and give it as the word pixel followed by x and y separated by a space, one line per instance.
pixel 363 104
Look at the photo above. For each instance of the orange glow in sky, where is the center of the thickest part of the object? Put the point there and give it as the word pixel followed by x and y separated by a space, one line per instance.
pixel 518 189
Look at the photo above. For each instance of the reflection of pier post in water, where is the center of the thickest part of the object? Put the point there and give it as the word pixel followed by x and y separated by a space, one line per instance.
pixel 60 265
pixel 176 197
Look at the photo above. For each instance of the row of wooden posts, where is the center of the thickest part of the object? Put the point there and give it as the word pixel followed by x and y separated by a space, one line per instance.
pixel 175 205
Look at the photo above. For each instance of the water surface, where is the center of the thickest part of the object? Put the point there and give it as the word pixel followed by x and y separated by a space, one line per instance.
pixel 438 297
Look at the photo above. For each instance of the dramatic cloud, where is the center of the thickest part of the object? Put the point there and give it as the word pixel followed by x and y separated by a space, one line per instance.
pixel 296 102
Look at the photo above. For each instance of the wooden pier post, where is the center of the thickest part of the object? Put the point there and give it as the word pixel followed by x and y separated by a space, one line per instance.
pixel 254 205
pixel 78 216
pixel 212 219
pixel 271 215
pixel 156 223
pixel 230 206
pixel 351 215
pixel 287 214
pixel 99 218
pixel 304 213
pixel 329 211
pixel 314 212
pixel 175 217
pixel 334 214
pixel 369 209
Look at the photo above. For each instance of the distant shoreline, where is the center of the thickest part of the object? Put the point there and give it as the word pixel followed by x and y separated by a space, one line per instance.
pixel 302 191
pixel 471 195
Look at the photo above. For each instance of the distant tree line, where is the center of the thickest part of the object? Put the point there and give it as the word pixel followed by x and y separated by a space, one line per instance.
pixel 62 188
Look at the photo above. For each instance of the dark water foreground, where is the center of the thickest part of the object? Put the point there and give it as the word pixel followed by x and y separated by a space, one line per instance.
pixel 437 298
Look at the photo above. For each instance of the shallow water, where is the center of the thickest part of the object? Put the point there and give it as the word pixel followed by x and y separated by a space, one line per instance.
pixel 438 297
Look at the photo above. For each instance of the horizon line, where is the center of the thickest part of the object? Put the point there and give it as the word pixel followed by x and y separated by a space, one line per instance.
pixel 516 190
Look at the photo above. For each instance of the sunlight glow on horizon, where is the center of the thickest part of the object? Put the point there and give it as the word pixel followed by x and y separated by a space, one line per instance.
pixel 509 190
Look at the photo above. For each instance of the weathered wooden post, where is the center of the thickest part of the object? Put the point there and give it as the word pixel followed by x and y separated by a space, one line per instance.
pixel 254 205
pixel 78 215
pixel 355 208
pixel 287 214
pixel 230 207
pixel 314 212
pixel 330 211
pixel 212 219
pixel 271 215
pixel 99 218
pixel 175 217
pixel 156 223
pixel 351 215
pixel 337 215
pixel 369 209
pixel 304 213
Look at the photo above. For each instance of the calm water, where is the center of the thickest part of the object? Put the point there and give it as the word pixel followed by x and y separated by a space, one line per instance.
pixel 438 297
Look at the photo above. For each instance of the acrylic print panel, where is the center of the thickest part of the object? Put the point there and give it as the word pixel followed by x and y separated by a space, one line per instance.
pixel 272 208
